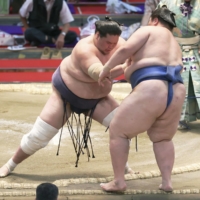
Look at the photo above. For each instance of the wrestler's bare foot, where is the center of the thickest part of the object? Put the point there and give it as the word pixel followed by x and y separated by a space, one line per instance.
pixel 114 186
pixel 166 188
pixel 4 171
pixel 128 170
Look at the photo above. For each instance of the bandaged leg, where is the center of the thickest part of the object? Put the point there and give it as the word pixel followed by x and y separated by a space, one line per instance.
pixel 108 118
pixel 106 123
pixel 36 139
pixel 7 168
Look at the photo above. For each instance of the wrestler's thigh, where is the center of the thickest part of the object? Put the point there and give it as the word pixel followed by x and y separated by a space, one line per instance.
pixel 104 107
pixel 166 125
pixel 53 110
pixel 135 115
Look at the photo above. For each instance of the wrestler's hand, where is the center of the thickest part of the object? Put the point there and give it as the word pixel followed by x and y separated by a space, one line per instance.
pixel 128 62
pixel 104 75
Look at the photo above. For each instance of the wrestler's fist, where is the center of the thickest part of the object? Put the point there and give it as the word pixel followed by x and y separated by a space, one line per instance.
pixel 103 75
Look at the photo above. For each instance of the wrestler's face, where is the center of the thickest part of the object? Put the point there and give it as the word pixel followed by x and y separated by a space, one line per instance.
pixel 107 44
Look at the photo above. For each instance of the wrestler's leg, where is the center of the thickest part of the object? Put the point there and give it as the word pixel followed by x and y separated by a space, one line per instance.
pixel 119 158
pixel 128 169
pixel 161 134
pixel 104 112
pixel 136 119
pixel 104 108
pixel 52 116
pixel 164 154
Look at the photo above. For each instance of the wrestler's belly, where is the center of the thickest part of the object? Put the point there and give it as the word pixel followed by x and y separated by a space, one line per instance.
pixel 86 90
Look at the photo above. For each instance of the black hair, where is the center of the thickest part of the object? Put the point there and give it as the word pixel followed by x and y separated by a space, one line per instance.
pixel 46 191
pixel 165 17
pixel 108 26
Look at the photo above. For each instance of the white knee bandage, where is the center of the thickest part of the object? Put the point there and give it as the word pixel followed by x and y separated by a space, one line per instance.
pixel 38 137
pixel 108 118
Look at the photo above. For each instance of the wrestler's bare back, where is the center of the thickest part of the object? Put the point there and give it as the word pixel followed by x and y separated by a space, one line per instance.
pixel 159 48
pixel 74 69
pixel 148 100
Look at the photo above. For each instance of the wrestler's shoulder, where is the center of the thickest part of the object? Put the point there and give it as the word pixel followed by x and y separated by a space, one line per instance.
pixel 84 45
pixel 147 28
pixel 85 41
pixel 153 29
pixel 121 41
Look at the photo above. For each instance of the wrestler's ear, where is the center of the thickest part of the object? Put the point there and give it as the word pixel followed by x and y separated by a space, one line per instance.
pixel 155 21
pixel 97 35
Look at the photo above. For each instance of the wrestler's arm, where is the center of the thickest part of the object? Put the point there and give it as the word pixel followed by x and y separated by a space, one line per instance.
pixel 119 69
pixel 133 44
pixel 89 62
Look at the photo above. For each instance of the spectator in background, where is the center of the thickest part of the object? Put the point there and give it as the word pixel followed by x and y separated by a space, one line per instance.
pixel 149 6
pixel 15 5
pixel 41 18
pixel 46 191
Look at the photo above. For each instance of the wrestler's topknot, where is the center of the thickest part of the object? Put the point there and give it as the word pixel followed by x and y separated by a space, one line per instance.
pixel 107 26
pixel 166 15
pixel 110 19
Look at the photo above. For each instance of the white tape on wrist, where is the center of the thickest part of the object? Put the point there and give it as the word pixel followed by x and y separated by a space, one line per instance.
pixel 94 71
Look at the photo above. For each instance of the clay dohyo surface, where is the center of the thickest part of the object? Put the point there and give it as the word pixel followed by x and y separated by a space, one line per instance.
pixel 18 112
